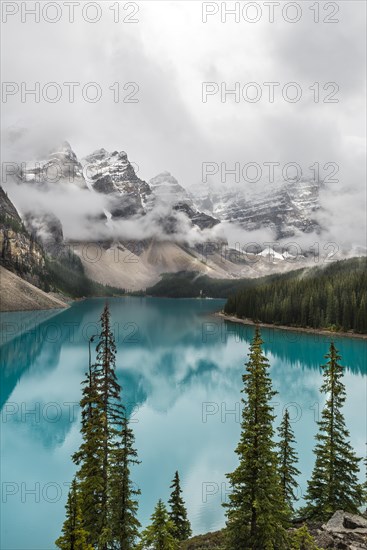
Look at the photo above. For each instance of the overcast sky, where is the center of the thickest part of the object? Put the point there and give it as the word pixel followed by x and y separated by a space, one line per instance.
pixel 169 53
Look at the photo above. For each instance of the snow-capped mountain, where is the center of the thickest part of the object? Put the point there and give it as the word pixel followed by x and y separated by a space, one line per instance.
pixel 124 196
pixel 167 190
pixel 160 225
pixel 112 174
pixel 61 166
pixel 285 207
pixel 168 194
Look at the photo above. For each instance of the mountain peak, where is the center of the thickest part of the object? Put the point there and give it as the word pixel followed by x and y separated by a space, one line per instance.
pixel 65 146
pixel 104 155
pixel 63 153
pixel 166 185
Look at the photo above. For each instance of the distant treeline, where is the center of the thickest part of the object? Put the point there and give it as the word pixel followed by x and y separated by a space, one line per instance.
pixel 331 297
pixel 188 284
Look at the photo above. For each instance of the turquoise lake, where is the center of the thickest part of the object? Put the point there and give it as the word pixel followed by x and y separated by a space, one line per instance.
pixel 180 368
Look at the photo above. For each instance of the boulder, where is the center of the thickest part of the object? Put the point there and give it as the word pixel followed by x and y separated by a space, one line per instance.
pixel 343 531
pixel 342 522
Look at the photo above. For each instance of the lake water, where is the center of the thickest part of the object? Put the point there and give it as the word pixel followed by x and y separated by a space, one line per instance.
pixel 180 368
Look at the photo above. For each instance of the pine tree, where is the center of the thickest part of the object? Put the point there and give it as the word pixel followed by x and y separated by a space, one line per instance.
pixel 159 535
pixel 89 458
pixel 326 298
pixel 112 412
pixel 106 453
pixel 124 506
pixel 301 539
pixel 334 482
pixel 74 536
pixel 287 460
pixel 178 513
pixel 256 512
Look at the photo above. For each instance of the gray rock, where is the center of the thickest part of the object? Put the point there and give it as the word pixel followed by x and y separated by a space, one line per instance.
pixel 7 208
pixel 19 251
pixel 342 522
pixel 113 175
pixel 324 540
pixel 284 207
pixel 351 521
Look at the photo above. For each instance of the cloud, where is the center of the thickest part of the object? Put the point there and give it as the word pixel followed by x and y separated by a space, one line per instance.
pixel 169 54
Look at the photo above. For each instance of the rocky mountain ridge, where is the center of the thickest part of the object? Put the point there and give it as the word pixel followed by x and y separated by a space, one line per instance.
pixel 61 166
pixel 112 175
pixel 20 252
pixel 285 207
pixel 158 225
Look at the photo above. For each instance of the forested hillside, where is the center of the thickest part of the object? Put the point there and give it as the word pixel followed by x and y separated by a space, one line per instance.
pixel 189 284
pixel 331 297
pixel 68 276
pixel 192 284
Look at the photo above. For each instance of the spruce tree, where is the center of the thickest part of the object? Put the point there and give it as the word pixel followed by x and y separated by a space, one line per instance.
pixel 178 513
pixel 124 506
pixel 159 534
pixel 256 512
pixel 106 453
pixel 287 460
pixel 112 412
pixel 89 458
pixel 334 482
pixel 301 539
pixel 74 536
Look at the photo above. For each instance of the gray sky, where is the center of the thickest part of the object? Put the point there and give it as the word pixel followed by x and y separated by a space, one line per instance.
pixel 169 53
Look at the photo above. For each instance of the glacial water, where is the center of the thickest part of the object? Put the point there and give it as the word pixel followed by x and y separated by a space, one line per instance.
pixel 180 368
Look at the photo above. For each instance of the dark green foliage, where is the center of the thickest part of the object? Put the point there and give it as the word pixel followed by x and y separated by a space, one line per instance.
pixel 287 460
pixel 159 534
pixel 332 297
pixel 178 513
pixel 68 277
pixel 334 482
pixel 74 536
pixel 301 539
pixel 106 453
pixel 188 284
pixel 89 458
pixel 108 390
pixel 256 512
pixel 124 506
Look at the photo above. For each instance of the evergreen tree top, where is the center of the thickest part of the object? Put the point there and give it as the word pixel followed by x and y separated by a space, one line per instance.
pixel 334 483
pixel 178 514
pixel 257 512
